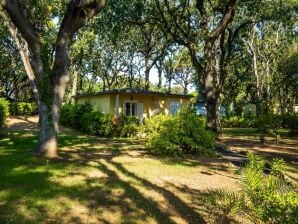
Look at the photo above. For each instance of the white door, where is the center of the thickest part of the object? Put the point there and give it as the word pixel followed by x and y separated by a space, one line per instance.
pixel 140 110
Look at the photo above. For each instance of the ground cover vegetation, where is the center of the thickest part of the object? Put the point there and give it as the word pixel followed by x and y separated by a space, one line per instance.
pixel 116 180
pixel 266 195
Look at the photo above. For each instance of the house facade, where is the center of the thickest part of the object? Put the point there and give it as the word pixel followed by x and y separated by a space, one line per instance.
pixel 140 103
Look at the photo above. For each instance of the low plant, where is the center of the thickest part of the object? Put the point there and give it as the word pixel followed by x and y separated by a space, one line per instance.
pixel 179 134
pixel 224 205
pixel 4 110
pixel 129 126
pixel 290 121
pixel 23 108
pixel 238 122
pixel 270 198
pixel 266 196
pixel 97 123
pixel 83 117
pixel 268 123
pixel 71 114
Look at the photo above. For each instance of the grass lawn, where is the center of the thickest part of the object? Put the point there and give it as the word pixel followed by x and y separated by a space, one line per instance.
pixel 99 180
pixel 103 181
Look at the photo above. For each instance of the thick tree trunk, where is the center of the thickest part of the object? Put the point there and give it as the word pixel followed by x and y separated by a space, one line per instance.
pixel 209 92
pixel 47 141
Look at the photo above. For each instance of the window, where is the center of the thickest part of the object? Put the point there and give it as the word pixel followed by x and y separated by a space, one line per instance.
pixel 174 107
pixel 130 109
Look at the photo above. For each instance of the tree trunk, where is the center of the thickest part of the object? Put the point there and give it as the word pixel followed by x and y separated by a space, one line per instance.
pixel 211 97
pixel 74 85
pixel 147 73
pixel 47 141
pixel 170 85
pixel 159 79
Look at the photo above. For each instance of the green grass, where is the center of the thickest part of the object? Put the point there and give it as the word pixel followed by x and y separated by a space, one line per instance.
pixel 252 132
pixel 94 181
pixel 98 180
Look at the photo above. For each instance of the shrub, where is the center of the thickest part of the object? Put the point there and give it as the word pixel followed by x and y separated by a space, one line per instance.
pixel 290 121
pixel 224 205
pixel 271 198
pixel 82 117
pixel 183 133
pixel 163 135
pixel 97 123
pixel 4 110
pixel 268 122
pixel 23 108
pixel 266 198
pixel 67 116
pixel 71 114
pixel 238 122
pixel 129 126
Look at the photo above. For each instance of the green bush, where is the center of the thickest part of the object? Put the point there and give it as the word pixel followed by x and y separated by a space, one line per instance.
pixel 267 123
pixel 84 118
pixel 4 110
pixel 71 114
pixel 265 198
pixel 97 123
pixel 175 135
pixel 23 108
pixel 129 126
pixel 67 116
pixel 290 121
pixel 270 198
pixel 238 122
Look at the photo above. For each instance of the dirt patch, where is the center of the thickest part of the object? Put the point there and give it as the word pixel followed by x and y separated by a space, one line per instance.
pixel 21 123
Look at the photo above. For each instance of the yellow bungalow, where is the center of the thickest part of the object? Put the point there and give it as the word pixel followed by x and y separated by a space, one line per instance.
pixel 131 102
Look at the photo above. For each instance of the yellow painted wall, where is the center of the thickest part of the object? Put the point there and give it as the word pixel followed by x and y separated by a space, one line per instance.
pixel 153 105
pixel 100 103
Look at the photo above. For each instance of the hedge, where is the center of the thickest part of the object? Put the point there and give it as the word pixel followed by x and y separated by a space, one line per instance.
pixel 4 110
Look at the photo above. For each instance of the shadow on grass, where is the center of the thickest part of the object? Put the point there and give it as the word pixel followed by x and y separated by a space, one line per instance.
pixel 32 190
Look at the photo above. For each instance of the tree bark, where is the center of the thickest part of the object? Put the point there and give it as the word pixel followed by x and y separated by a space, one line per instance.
pixel 147 73
pixel 74 84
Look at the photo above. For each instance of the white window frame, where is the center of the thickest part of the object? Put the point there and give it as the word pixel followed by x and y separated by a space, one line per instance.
pixel 130 102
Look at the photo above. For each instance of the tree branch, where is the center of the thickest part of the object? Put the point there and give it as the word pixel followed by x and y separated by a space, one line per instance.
pixel 227 18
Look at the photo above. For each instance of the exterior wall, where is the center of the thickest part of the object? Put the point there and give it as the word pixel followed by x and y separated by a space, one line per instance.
pixel 296 108
pixel 153 105
pixel 101 102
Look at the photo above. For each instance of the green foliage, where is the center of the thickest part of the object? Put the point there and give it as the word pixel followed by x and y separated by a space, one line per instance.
pixel 97 123
pixel 175 135
pixel 23 108
pixel 290 121
pixel 238 122
pixel 270 198
pixel 71 114
pixel 269 121
pixel 84 118
pixel 224 205
pixel 4 110
pixel 128 127
pixel 266 198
